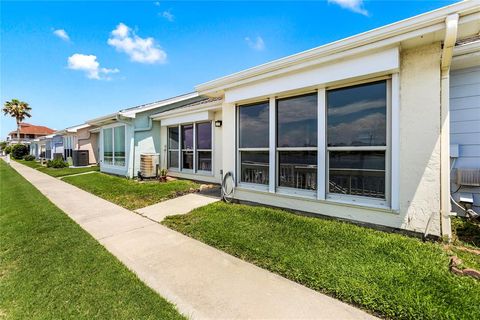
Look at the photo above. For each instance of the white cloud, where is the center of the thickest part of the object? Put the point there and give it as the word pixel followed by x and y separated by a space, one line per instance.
pixel 143 50
pixel 90 65
pixel 257 45
pixel 62 34
pixel 353 5
pixel 167 15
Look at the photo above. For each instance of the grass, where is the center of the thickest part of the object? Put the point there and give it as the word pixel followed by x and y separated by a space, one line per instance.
pixel 127 193
pixel 51 269
pixel 466 232
pixel 57 172
pixel 387 274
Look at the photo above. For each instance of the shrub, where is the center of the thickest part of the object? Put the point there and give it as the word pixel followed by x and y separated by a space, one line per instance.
pixel 29 157
pixel 57 163
pixel 19 151
pixel 8 149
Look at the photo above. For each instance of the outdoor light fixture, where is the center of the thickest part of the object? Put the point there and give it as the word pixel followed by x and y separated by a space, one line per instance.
pixel 218 123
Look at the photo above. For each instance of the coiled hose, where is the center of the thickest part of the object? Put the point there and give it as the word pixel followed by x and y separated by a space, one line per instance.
pixel 228 191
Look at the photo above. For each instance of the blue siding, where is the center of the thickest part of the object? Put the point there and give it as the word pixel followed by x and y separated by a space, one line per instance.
pixel 465 123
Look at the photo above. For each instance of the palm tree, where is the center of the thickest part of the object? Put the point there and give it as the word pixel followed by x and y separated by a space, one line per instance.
pixel 18 110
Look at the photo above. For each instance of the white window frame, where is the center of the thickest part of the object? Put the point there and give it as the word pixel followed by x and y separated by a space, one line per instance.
pixel 344 198
pixel 391 201
pixel 195 150
pixel 290 190
pixel 173 150
pixel 113 165
pixel 249 185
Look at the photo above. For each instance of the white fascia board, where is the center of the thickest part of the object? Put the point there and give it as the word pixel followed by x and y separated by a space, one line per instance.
pixel 187 118
pixel 74 129
pixel 215 105
pixel 382 62
pixel 102 119
pixel 132 113
pixel 425 23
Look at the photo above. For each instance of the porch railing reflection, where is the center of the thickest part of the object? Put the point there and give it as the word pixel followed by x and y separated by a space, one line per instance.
pixel 358 182
pixel 299 176
pixel 254 172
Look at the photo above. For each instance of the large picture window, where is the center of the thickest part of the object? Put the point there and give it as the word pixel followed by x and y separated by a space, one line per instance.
pixel 297 142
pixel 114 146
pixel 190 147
pixel 357 140
pixel 253 136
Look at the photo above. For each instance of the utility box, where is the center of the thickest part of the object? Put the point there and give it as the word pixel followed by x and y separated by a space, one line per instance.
pixel 80 158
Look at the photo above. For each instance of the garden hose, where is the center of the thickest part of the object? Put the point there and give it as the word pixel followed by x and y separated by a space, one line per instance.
pixel 227 195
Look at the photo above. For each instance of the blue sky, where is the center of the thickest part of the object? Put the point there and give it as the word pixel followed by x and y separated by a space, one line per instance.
pixel 73 61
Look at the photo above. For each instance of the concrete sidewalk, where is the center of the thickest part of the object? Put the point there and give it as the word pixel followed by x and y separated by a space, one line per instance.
pixel 203 282
pixel 180 205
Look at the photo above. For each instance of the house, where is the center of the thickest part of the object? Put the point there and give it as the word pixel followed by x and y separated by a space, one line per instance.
pixel 358 129
pixel 28 132
pixel 127 134
pixel 82 137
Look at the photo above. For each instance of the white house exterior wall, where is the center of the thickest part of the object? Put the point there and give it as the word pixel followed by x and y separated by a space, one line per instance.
pixel 419 160
pixel 420 138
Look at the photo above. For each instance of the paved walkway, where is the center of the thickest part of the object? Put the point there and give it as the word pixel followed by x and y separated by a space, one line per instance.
pixel 180 205
pixel 203 282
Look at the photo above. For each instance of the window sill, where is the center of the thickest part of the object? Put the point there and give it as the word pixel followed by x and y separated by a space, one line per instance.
pixel 310 198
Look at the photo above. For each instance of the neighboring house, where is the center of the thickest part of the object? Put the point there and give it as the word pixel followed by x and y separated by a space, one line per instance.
pixel 81 137
pixel 126 135
pixel 28 133
pixel 359 128
pixel 465 121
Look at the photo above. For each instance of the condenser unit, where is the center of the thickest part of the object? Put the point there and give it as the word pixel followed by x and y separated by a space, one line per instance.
pixel 468 177
pixel 149 165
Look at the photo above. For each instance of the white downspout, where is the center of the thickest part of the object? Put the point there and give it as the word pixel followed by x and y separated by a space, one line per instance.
pixel 449 43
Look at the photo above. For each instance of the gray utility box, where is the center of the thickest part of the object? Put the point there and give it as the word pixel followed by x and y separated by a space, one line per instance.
pixel 80 158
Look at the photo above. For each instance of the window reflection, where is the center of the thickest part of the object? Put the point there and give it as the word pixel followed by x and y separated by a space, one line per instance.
pixel 357 115
pixel 253 126
pixel 360 173
pixel 254 167
pixel 187 136
pixel 297 169
pixel 297 121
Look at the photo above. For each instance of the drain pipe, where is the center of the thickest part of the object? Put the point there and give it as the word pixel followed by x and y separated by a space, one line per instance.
pixel 451 23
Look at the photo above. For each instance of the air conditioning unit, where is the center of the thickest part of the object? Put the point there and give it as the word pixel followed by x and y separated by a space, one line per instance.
pixel 149 164
pixel 468 177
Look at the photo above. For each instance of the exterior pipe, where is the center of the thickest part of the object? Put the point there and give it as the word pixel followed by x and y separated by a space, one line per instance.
pixel 451 23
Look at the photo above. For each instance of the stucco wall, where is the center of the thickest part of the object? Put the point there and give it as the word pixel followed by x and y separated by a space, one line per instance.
pixel 145 141
pixel 88 141
pixel 420 138
pixel 419 160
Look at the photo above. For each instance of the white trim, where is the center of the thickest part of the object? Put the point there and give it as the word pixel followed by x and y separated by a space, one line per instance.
pixel 201 116
pixel 131 112
pixel 395 143
pixel 321 143
pixel 272 125
pixel 211 106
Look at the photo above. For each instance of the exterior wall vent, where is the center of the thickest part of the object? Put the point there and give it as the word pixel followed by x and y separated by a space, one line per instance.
pixel 468 177
pixel 149 164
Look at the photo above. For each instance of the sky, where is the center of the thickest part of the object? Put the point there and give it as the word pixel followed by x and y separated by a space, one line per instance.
pixel 77 60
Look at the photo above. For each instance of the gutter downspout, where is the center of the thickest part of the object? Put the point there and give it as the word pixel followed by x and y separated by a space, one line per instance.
pixel 451 23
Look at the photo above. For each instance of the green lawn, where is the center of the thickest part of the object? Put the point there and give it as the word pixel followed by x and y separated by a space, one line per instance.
pixel 130 194
pixel 389 274
pixel 57 172
pixel 51 269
